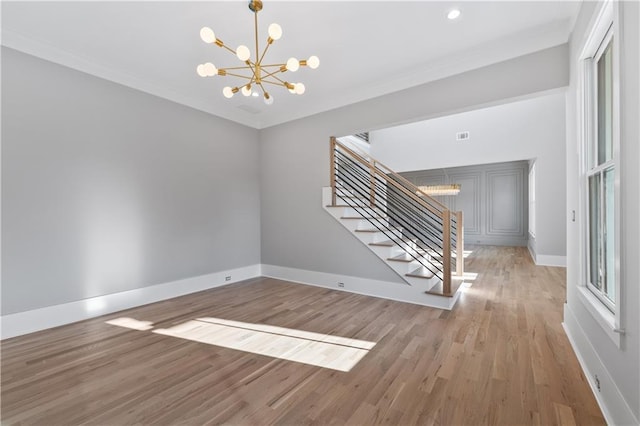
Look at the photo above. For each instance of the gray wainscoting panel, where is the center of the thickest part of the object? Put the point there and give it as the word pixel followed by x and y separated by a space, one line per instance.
pixel 504 202
pixel 493 199
pixel 469 201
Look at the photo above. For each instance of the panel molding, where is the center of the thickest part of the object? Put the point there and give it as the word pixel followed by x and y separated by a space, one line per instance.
pixel 480 222
pixel 517 200
pixel 473 226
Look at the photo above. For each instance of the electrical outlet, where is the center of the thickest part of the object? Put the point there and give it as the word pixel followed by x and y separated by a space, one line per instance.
pixel 227 278
pixel 597 383
pixel 463 136
pixel 341 285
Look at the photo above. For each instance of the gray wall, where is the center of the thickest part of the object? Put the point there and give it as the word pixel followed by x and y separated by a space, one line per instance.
pixel 493 199
pixel 107 189
pixel 621 365
pixel 296 232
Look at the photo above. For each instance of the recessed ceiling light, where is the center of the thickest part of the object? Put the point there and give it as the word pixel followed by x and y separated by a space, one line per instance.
pixel 453 14
pixel 254 94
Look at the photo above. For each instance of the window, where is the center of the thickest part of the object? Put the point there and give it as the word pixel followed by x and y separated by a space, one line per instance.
pixel 601 172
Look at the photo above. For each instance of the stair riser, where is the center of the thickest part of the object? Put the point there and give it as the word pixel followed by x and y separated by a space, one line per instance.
pixel 360 212
pixel 348 201
pixel 370 223
pixel 404 267
pixel 374 237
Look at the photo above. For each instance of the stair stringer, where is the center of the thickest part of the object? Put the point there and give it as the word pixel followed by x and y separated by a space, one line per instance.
pixel 356 228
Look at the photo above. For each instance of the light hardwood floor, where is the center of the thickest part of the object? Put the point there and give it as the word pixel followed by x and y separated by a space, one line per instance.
pixel 499 358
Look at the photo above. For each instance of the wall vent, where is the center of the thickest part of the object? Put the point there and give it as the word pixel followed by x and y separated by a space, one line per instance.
pixel 248 108
pixel 462 136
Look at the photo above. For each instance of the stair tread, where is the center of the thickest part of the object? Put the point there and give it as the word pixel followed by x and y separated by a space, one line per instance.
pixel 437 289
pixel 363 217
pixel 377 230
pixel 346 205
pixel 386 243
pixel 421 272
pixel 402 258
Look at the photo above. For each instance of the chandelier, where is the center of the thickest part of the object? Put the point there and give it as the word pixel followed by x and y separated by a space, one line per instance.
pixel 258 76
pixel 438 190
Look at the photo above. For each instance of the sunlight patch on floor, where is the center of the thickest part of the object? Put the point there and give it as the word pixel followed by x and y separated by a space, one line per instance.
pixel 131 323
pixel 322 350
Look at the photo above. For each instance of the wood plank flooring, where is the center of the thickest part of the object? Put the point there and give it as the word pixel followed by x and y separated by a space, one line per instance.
pixel 500 357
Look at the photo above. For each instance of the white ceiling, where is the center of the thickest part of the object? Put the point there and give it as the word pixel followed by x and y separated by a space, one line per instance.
pixel 366 49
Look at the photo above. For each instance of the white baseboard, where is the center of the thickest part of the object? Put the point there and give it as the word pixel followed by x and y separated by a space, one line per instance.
pixel 21 323
pixel 52 316
pixel 615 409
pixel 384 289
pixel 549 260
pixel 532 252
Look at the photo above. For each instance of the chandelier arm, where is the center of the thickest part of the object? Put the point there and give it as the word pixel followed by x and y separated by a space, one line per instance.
pixel 228 48
pixel 271 65
pixel 275 83
pixel 280 81
pixel 262 87
pixel 241 76
pixel 273 76
pixel 235 68
pixel 263 53
pixel 252 67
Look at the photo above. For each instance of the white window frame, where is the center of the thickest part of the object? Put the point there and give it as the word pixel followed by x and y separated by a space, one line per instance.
pixel 593 169
pixel 603 29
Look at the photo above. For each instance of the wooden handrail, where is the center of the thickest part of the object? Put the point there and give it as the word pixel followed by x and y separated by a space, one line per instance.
pixel 410 194
pixel 404 180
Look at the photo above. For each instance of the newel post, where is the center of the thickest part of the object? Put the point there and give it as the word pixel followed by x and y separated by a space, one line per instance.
pixel 459 244
pixel 446 252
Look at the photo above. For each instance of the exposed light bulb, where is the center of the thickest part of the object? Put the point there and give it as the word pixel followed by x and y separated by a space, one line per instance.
pixel 209 69
pixel 453 14
pixel 207 35
pixel 227 92
pixel 313 62
pixel 246 90
pixel 275 31
pixel 299 88
pixel 201 71
pixel 293 91
pixel 255 94
pixel 293 65
pixel 243 53
pixel 268 99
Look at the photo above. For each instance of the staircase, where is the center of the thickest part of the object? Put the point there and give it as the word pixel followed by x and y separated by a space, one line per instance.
pixel 419 238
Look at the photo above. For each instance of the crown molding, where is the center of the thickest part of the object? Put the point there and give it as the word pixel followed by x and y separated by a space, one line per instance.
pixel 65 58
pixel 525 42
